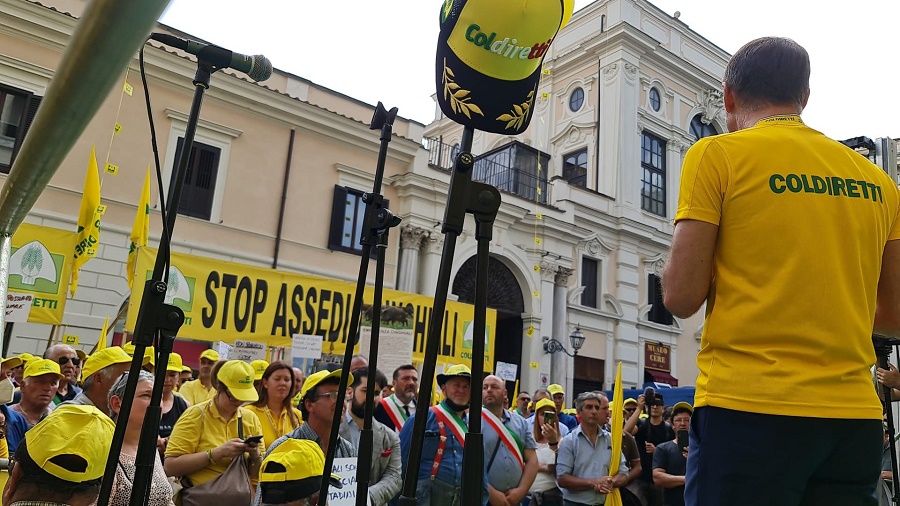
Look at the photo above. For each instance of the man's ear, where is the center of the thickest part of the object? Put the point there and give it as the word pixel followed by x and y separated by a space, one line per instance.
pixel 115 404
pixel 728 95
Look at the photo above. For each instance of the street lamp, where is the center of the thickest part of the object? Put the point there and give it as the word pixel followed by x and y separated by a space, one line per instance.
pixel 576 340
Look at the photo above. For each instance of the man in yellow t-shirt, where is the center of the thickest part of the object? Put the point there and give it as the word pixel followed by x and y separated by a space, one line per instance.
pixel 201 389
pixel 790 239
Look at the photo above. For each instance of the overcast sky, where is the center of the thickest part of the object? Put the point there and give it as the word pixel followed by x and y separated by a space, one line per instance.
pixel 385 50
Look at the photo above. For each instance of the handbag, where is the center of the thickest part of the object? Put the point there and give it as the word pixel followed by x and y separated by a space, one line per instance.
pixel 232 486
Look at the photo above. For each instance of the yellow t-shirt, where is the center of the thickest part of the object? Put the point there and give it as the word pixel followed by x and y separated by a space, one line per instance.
pixel 195 393
pixel 803 221
pixel 274 426
pixel 202 428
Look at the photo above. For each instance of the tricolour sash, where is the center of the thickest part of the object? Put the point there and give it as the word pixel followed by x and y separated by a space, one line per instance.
pixel 507 436
pixel 393 411
pixel 452 421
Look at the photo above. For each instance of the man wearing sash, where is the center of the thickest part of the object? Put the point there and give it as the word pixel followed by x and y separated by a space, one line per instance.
pixel 440 471
pixel 509 447
pixel 394 409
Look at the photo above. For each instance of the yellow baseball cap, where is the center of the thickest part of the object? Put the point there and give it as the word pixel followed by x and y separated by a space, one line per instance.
pixel 103 359
pixel 238 377
pixel 259 367
pixel 129 348
pixel 40 367
pixel 185 368
pixel 149 356
pixel 629 401
pixel 175 363
pixel 292 471
pixel 682 406
pixel 454 371
pixel 556 389
pixel 72 430
pixel 81 354
pixel 316 378
pixel 210 355
pixel 12 362
pixel 545 403
pixel 26 357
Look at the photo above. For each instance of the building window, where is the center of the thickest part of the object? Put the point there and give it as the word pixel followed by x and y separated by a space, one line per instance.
pixel 576 99
pixel 575 168
pixel 658 312
pixel 589 281
pixel 199 180
pixel 653 161
pixel 454 152
pixel 655 102
pixel 515 168
pixel 17 110
pixel 348 212
pixel 699 129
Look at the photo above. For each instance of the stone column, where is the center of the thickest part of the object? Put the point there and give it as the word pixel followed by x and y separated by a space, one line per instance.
pixel 560 361
pixel 411 239
pixel 431 263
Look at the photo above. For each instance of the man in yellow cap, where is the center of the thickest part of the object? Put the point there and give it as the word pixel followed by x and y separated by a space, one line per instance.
pixel 559 398
pixel 62 459
pixel 201 390
pixel 7 365
pixel 40 384
pixel 187 374
pixel 291 475
pixel 440 470
pixel 99 373
pixel 19 370
pixel 318 400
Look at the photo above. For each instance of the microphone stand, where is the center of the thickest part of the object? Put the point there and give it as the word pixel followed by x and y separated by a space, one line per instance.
pixel 377 222
pixel 882 351
pixel 156 322
pixel 482 201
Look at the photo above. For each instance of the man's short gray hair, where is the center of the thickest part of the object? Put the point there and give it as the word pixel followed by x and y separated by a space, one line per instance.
pixel 118 388
pixel 587 396
pixel 106 372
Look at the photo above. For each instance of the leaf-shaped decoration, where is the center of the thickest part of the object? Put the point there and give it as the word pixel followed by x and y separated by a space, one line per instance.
pixel 530 94
pixel 448 70
pixel 517 109
pixel 461 93
pixel 504 117
pixel 510 124
pixel 453 86
pixel 465 110
pixel 474 108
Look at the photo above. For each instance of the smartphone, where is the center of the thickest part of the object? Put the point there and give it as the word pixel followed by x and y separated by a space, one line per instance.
pixel 253 440
pixel 549 417
pixel 683 439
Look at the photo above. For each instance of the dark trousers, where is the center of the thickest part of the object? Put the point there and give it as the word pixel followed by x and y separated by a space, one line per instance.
pixel 738 458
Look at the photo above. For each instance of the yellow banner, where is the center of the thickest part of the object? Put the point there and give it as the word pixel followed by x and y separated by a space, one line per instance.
pixel 41 264
pixel 227 301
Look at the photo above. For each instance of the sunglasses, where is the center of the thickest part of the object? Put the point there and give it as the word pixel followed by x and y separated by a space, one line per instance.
pixel 65 360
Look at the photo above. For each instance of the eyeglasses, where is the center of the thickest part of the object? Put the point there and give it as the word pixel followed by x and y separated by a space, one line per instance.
pixel 65 360
pixel 331 395
pixel 526 399
pixel 630 410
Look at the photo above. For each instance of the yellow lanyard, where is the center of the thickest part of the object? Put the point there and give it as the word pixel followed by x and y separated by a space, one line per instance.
pixel 279 431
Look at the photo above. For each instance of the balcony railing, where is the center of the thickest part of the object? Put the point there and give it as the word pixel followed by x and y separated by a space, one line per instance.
pixel 507 179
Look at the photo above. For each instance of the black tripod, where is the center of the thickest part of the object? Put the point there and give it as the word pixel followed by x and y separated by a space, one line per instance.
pixel 157 325
pixel 883 346
pixel 482 201
pixel 377 222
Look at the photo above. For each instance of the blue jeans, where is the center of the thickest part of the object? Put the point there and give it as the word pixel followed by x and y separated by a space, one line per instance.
pixel 737 458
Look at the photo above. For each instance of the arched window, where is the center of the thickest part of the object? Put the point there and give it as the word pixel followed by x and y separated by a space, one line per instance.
pixel 655 101
pixel 699 129
pixel 576 99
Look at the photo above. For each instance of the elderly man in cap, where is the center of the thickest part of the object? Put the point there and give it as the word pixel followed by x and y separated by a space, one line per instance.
pixel 7 365
pixel 202 389
pixel 292 474
pixel 670 458
pixel 440 470
pixel 62 459
pixel 99 373
pixel 69 365
pixel 559 398
pixel 40 383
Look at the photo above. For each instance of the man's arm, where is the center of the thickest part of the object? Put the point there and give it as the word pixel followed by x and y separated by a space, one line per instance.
pixel 887 304
pixel 515 495
pixel 632 423
pixel 688 271
pixel 662 479
pixel 391 482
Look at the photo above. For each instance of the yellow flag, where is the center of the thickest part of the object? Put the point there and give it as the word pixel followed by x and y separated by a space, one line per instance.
pixel 88 238
pixel 617 423
pixel 141 228
pixel 101 343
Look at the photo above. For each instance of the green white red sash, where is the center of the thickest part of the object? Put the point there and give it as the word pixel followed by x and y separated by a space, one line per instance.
pixel 508 437
pixel 392 408
pixel 452 421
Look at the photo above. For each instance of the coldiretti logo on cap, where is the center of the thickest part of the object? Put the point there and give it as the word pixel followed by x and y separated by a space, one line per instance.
pixel 492 39
pixel 246 381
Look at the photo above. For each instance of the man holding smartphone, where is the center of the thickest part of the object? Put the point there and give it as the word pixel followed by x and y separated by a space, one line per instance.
pixel 670 458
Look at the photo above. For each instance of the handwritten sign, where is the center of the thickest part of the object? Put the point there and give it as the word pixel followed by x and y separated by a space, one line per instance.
pixel 18 306
pixel 248 351
pixel 656 357
pixel 306 346
pixel 223 349
pixel 506 371
pixel 345 496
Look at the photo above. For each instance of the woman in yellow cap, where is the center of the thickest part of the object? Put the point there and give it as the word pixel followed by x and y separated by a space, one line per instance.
pixel 212 435
pixel 274 408
pixel 160 489
pixel 547 436
pixel 172 405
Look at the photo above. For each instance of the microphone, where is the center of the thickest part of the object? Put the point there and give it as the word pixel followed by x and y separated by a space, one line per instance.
pixel 257 67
